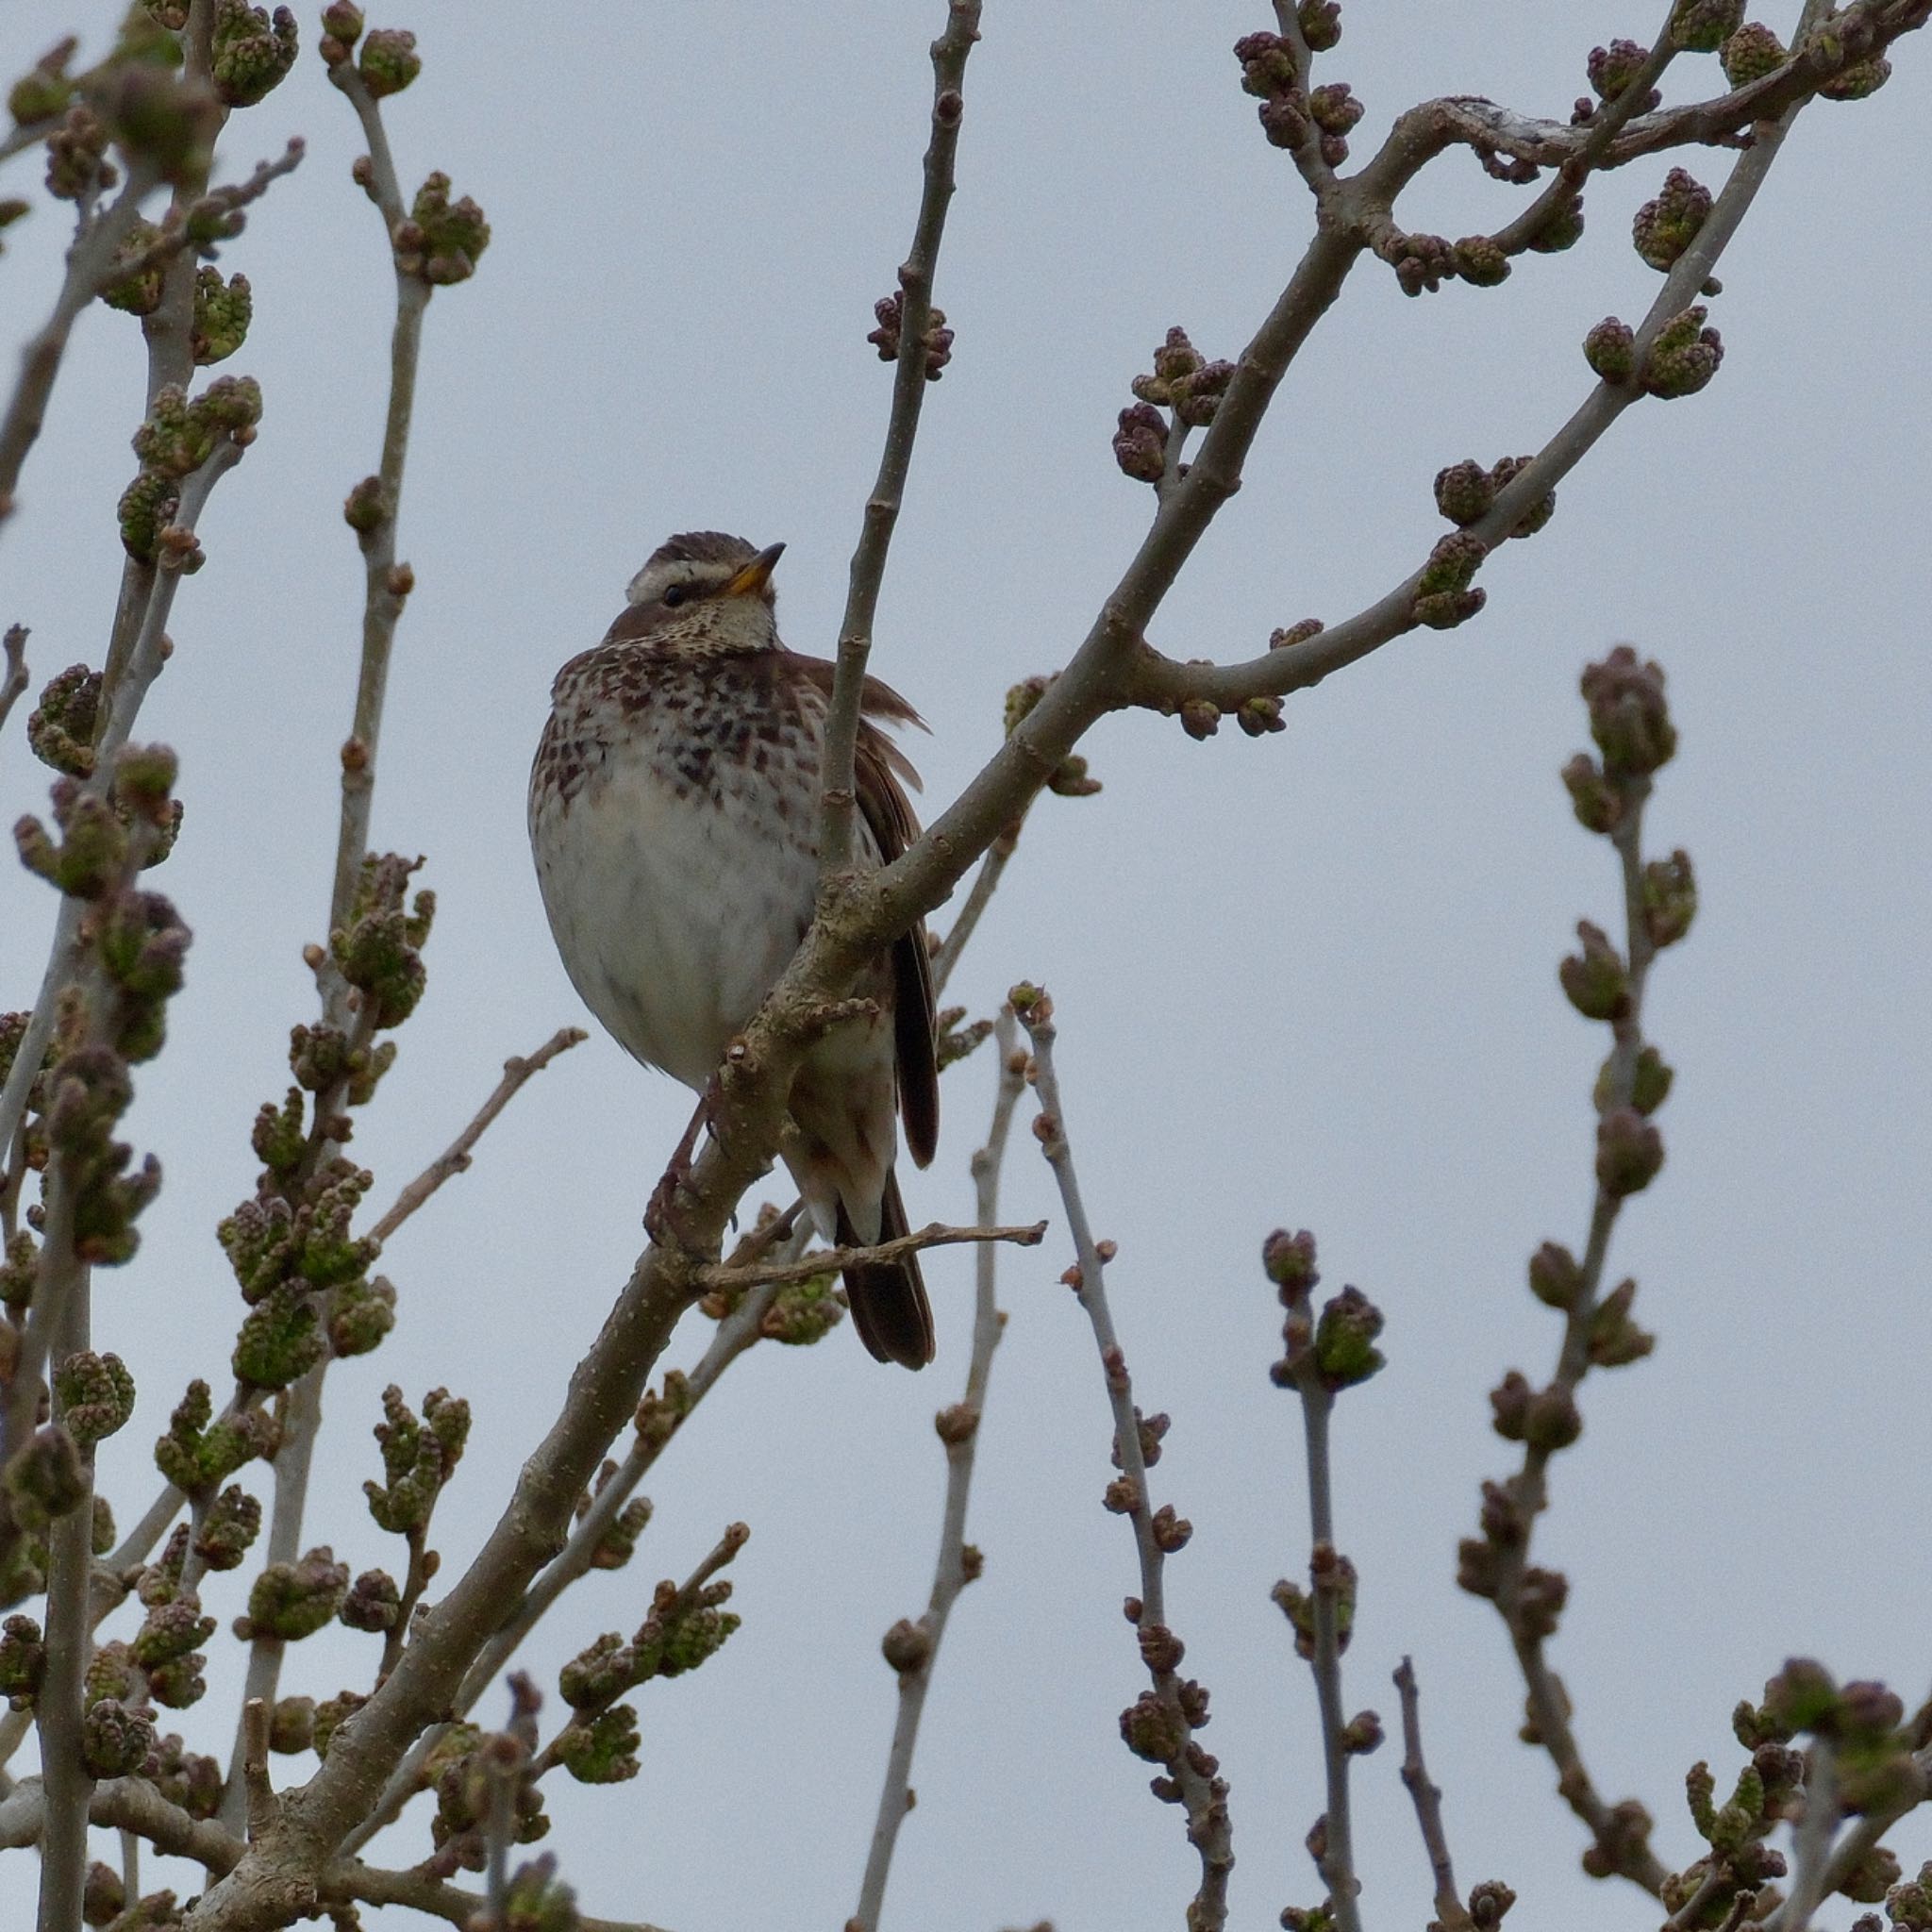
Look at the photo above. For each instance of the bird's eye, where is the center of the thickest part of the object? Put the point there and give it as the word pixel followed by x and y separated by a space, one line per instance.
pixel 674 594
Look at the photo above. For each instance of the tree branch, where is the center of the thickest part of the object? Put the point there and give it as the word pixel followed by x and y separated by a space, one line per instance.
pixel 455 1160
pixel 959 1428
pixel 90 260
pixel 949 54
pixel 833 1260
pixel 1428 1799
pixel 15 682
pixel 1191 1779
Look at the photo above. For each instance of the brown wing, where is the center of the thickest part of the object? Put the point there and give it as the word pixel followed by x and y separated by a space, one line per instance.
pixel 878 766
pixel 883 801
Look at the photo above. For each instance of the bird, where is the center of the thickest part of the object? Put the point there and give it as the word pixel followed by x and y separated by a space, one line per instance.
pixel 673 817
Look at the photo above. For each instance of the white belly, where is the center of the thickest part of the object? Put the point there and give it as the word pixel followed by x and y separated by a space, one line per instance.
pixel 675 917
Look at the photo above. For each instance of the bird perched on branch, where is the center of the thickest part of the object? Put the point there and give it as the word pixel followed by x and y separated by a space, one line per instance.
pixel 674 819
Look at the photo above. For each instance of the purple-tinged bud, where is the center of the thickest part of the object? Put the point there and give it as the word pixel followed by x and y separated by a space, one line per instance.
pixel 1140 445
pixel 1481 263
pixel 1702 26
pixel 1464 492
pixel 1684 357
pixel 1629 717
pixel 1555 1278
pixel 1289 1262
pixel 1443 597
pixel 1200 719
pixel 1598 805
pixel 1562 228
pixel 1361 1734
pixel 1510 1402
pixel 1610 349
pixel 1539 1600
pixel 1664 227
pixel 1151 1730
pixel 115 1738
pixel 1615 1339
pixel 1320 24
pixel 1614 67
pixel 1750 54
pixel 1283 120
pixel 1552 1420
pixel 373 1602
pixel 1670 898
pixel 1595 979
pixel 389 61
pixel 1629 1152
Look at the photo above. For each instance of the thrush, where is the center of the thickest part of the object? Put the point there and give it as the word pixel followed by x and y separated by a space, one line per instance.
pixel 674 821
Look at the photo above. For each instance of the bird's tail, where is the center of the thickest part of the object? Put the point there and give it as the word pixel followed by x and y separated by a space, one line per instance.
pixel 888 1305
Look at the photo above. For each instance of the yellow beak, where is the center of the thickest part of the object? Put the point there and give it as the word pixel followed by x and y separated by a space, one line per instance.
pixel 755 575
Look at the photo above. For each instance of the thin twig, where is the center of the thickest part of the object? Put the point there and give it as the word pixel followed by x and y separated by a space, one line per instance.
pixel 384 590
pixel 122 707
pixel 958 1429
pixel 1332 1846
pixel 985 883
pixel 174 234
pixel 721 1555
pixel 382 593
pixel 832 1260
pixel 949 54
pixel 1428 1799
pixel 15 682
pixel 87 261
pixel 455 1158
pixel 1192 1780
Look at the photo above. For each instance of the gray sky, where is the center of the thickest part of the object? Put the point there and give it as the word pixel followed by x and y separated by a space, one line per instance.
pixel 1305 980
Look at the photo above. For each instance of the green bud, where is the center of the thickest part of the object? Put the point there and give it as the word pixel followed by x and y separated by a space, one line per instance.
pixel 172 1630
pixel 44 90
pixel 1670 898
pixel 147 509
pixel 1750 54
pixel 331 1714
pixel 1615 1339
pixel 602 1751
pixel 1344 1337
pixel 295 1600
pixel 139 292
pixel 1555 1278
pixel 23 1661
pixel 223 311
pixel 61 729
pixel 360 1315
pixel 389 61
pixel 46 1479
pixel 115 1738
pixel 1629 1152
pixel 1464 492
pixel 1594 979
pixel 1684 357
pixel 251 54
pixel 1666 226
pixel 1702 26
pixel 95 1394
pixel 1610 349
pixel 292 1727
pixel 281 1340
pixel 232 1523
pixel 373 1602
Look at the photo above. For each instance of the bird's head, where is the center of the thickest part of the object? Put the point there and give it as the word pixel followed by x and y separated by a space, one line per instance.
pixel 707 585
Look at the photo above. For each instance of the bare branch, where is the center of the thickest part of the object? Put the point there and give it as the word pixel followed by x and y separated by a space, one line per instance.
pixel 985 883
pixel 833 1260
pixel 949 54
pixel 1332 1844
pixel 1192 1780
pixel 88 261
pixel 174 232
pixel 958 1430
pixel 123 704
pixel 15 682
pixel 1428 1805
pixel 1816 1826
pixel 456 1158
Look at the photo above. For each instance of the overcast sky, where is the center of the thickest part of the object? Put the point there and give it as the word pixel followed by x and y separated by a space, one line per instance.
pixel 1306 980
